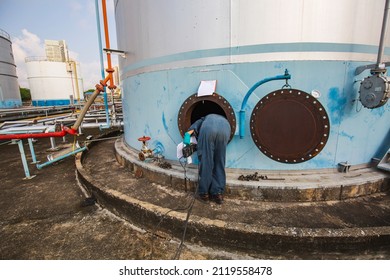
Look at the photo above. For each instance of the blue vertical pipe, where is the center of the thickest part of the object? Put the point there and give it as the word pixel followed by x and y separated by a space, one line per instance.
pixel 101 60
pixel 24 160
pixel 286 77
pixel 30 143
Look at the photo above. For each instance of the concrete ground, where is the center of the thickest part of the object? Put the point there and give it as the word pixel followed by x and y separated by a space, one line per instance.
pixel 49 217
pixel 156 198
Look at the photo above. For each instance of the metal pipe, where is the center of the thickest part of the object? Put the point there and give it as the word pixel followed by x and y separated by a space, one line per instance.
pixel 53 144
pixel 24 160
pixel 107 38
pixel 15 123
pixel 85 109
pixel 383 34
pixel 109 69
pixel 40 166
pixel 286 77
pixel 30 143
pixel 31 135
pixel 99 38
pixel 100 125
pixel 61 133
pixel 35 109
pixel 77 81
pixel 101 59
pixel 71 74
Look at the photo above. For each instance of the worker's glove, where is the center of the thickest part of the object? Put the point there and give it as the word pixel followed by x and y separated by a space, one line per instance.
pixel 187 139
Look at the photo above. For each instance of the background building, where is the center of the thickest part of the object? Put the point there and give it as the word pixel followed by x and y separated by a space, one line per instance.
pixel 56 50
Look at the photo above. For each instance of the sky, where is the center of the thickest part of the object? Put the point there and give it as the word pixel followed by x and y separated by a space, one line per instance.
pixel 31 22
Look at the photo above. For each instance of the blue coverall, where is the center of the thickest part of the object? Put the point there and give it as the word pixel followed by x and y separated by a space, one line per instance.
pixel 212 133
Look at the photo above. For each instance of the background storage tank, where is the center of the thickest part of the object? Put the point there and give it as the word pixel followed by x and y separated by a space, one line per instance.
pixel 54 79
pixel 316 124
pixel 53 83
pixel 9 86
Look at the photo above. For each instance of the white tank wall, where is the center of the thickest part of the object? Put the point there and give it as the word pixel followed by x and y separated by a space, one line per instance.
pixel 280 21
pixel 172 45
pixel 164 28
pixel 51 84
pixel 150 29
pixel 9 86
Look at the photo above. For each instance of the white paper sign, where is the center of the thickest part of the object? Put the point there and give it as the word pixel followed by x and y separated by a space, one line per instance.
pixel 207 87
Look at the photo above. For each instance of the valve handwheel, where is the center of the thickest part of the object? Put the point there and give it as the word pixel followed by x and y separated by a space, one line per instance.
pixel 144 138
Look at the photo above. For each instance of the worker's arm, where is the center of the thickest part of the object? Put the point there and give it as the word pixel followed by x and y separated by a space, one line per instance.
pixel 193 130
pixel 195 127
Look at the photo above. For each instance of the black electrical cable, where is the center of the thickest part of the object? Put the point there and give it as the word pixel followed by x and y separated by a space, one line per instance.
pixel 179 249
pixel 159 223
pixel 188 208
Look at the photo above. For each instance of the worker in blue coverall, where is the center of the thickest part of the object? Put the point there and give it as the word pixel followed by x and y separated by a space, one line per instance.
pixel 212 133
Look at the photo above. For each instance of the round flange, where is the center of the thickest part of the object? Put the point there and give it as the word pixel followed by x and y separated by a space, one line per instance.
pixel 195 107
pixel 374 91
pixel 289 126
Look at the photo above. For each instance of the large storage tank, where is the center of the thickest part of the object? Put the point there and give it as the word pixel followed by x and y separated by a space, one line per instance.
pixel 9 86
pixel 171 46
pixel 54 83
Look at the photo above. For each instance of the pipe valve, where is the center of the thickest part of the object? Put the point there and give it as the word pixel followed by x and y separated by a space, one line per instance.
pixel 145 151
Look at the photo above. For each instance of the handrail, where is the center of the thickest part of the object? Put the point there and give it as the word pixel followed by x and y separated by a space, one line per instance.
pixel 5 35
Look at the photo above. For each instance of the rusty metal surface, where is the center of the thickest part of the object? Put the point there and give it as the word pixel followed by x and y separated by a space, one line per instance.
pixel 194 107
pixel 289 126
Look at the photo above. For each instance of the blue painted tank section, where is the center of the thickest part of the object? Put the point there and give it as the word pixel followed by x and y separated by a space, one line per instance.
pixel 54 102
pixel 358 134
pixel 9 103
pixel 224 40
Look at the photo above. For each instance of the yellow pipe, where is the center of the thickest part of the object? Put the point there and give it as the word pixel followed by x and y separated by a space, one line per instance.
pixel 86 107
pixel 77 82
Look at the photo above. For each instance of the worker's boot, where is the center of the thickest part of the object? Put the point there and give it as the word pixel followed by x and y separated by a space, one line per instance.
pixel 203 197
pixel 217 198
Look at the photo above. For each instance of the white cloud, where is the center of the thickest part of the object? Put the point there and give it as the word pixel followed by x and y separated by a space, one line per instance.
pixel 91 74
pixel 76 7
pixel 29 44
